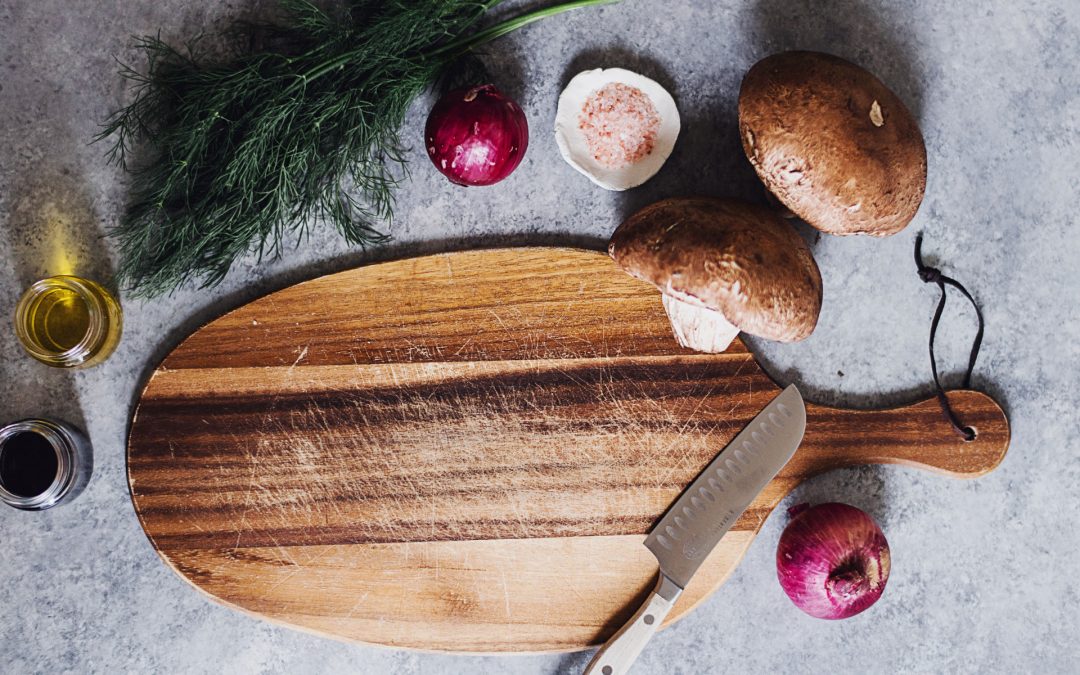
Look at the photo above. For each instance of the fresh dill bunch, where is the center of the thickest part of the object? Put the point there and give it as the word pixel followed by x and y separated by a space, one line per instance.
pixel 299 125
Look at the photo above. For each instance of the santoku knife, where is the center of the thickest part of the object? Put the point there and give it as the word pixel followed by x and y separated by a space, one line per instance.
pixel 702 514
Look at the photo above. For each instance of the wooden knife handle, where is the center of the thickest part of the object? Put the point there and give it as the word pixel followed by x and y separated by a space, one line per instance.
pixel 617 654
pixel 916 435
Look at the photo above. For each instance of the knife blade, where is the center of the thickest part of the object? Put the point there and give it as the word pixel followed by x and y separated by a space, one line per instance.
pixel 696 522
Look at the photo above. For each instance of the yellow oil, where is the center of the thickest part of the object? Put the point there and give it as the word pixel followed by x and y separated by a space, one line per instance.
pixel 66 321
pixel 60 320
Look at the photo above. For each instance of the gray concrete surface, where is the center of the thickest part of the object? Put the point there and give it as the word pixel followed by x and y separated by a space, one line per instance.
pixel 985 572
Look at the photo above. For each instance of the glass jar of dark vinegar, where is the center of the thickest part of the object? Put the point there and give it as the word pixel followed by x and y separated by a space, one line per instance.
pixel 42 463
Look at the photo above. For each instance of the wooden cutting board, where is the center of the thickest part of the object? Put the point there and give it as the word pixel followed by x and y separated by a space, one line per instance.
pixel 464 451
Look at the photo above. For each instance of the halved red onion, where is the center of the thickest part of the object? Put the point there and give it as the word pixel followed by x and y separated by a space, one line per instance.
pixel 476 136
pixel 832 560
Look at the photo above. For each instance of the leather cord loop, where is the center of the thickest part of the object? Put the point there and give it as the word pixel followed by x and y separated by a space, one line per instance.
pixel 932 275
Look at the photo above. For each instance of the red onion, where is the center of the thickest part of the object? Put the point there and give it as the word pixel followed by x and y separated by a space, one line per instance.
pixel 833 560
pixel 476 136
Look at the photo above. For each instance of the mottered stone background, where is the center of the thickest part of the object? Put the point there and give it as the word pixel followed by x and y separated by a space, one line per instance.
pixel 984 575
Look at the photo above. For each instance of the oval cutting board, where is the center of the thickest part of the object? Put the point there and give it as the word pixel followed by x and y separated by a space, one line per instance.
pixel 464 451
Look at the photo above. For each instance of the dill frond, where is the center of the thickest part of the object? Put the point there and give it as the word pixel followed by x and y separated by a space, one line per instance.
pixel 241 151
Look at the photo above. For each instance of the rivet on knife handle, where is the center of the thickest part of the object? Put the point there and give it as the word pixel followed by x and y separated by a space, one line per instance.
pixel 617 654
pixel 703 513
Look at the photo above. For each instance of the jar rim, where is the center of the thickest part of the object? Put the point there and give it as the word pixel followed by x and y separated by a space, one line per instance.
pixel 65 450
pixel 96 332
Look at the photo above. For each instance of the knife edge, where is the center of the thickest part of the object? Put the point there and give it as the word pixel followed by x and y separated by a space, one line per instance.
pixel 706 510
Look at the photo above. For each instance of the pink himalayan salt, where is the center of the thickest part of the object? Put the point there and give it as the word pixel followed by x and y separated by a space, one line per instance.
pixel 620 125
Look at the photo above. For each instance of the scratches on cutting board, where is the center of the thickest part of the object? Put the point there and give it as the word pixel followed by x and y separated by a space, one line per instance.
pixel 546 402
pixel 506 592
pixel 253 484
pixel 594 446
pixel 350 462
pixel 303 353
pixel 358 605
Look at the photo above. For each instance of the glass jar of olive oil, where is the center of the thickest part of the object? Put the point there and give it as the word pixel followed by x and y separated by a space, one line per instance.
pixel 68 322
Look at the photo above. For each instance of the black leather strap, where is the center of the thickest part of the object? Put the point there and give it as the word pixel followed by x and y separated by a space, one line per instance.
pixel 932 275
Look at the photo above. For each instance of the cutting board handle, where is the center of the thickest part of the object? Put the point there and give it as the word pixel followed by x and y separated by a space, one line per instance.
pixel 916 435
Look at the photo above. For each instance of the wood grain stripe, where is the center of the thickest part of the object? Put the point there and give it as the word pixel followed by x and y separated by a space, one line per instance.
pixel 460 592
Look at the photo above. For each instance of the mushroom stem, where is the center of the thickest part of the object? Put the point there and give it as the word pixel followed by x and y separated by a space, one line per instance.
pixel 699 328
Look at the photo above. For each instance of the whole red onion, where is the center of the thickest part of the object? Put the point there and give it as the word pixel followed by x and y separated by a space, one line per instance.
pixel 476 136
pixel 832 560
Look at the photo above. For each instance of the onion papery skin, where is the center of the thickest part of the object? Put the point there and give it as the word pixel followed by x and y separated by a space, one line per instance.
pixel 833 561
pixel 477 135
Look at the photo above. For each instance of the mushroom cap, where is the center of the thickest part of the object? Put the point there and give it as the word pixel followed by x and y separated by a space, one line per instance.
pixel 741 260
pixel 832 143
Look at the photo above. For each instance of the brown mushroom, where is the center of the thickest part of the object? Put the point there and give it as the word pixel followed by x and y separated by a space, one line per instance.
pixel 832 143
pixel 723 266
